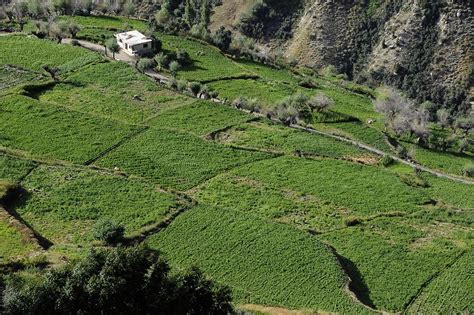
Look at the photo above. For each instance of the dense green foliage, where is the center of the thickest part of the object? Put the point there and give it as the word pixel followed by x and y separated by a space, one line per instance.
pixel 122 280
pixel 176 160
pixel 261 261
pixel 55 131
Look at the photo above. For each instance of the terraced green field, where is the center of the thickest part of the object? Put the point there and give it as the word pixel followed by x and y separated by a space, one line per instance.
pixel 264 135
pixel 11 76
pixel 55 132
pixel 13 244
pixel 452 163
pixel 284 217
pixel 200 118
pixel 451 291
pixel 113 90
pixel 32 53
pixel 174 159
pixel 66 202
pixel 241 250
pixel 12 169
pixel 395 257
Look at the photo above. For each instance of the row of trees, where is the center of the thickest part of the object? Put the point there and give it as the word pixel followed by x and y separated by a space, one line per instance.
pixel 118 280
pixel 427 124
pixel 291 109
pixel 19 10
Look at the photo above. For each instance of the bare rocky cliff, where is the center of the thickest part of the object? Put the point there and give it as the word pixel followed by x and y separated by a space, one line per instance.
pixel 424 47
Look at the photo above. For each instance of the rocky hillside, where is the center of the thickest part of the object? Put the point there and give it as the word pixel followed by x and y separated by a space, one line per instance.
pixel 425 47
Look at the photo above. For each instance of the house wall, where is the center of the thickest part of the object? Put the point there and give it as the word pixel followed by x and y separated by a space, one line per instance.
pixel 142 48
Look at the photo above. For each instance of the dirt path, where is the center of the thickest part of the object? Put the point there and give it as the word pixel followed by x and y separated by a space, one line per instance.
pixel 119 56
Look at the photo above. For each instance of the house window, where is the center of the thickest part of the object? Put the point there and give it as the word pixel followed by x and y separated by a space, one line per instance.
pixel 145 45
pixel 126 46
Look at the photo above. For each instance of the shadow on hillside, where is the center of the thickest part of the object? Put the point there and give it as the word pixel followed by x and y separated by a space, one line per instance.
pixel 16 198
pixel 357 284
pixel 36 90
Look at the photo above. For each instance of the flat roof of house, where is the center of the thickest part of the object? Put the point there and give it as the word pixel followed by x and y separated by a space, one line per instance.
pixel 133 38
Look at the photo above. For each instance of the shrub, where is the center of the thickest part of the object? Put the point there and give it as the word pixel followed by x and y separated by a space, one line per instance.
pixel 307 83
pixel 468 170
pixel 174 67
pixel 402 152
pixel 183 58
pixel 109 231
pixel 172 83
pixel 195 87
pixel 145 64
pixel 182 85
pixel 352 221
pixel 320 102
pixel 413 180
pixel 386 161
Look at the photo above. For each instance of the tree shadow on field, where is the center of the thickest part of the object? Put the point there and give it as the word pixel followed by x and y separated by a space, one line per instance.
pixel 357 284
pixel 15 198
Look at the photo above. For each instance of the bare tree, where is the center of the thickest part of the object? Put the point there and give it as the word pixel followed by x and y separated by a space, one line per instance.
pixel 58 31
pixel 392 104
pixel 20 10
pixel 320 102
pixel 443 117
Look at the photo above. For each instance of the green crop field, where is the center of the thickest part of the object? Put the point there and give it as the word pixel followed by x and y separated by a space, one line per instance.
pixel 200 118
pixel 13 244
pixel 32 53
pixel 286 218
pixel 12 169
pixel 270 136
pixel 208 62
pixel 174 159
pixel 55 132
pixel 11 76
pixel 110 90
pixel 357 131
pixel 265 263
pixel 395 257
pixel 268 93
pixel 453 163
pixel 66 202
pixel 361 190
pixel 450 292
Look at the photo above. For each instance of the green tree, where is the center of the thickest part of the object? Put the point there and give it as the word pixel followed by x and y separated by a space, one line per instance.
pixel 174 67
pixel 109 232
pixel 145 64
pixel 118 280
pixel 113 46
pixel 222 38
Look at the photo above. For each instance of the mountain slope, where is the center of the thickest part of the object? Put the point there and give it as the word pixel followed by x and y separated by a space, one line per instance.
pixel 422 47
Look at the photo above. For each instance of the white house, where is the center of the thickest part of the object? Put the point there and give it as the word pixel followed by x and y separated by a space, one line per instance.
pixel 134 43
